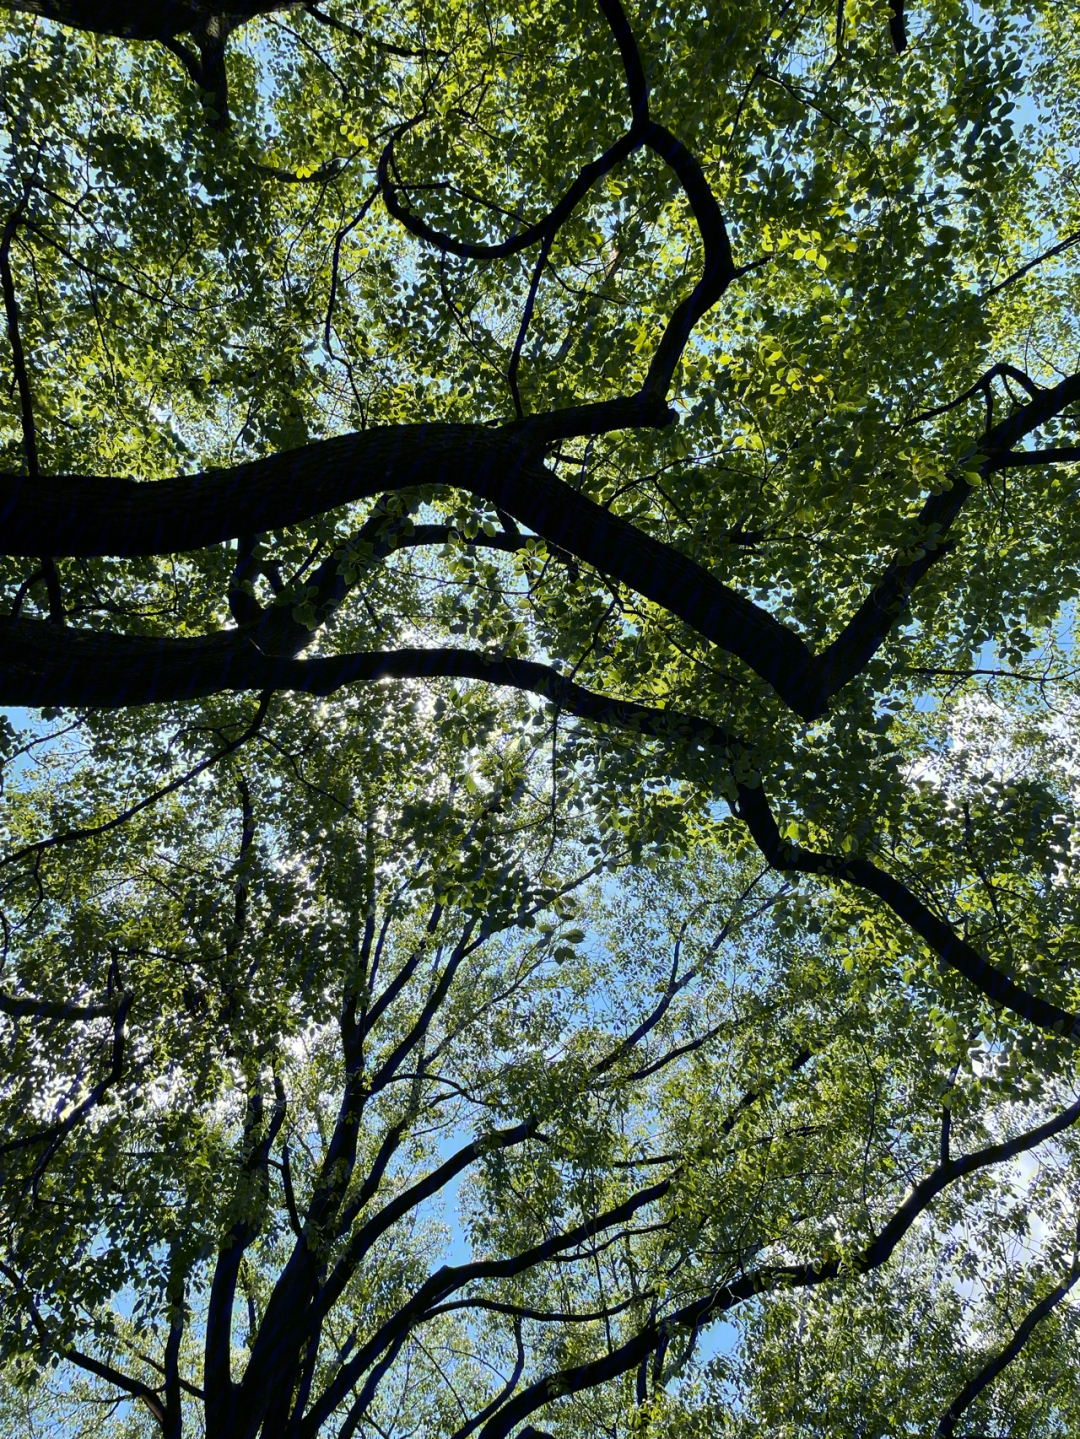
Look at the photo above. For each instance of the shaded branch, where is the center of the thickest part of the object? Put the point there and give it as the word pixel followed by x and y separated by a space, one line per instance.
pixel 93 1366
pixel 868 628
pixel 18 1006
pixel 636 85
pixel 18 358
pixel 1016 459
pixel 718 270
pixel 898 27
pixel 980 387
pixel 408 1199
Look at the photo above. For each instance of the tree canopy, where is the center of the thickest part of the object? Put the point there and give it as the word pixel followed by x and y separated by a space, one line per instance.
pixel 540 783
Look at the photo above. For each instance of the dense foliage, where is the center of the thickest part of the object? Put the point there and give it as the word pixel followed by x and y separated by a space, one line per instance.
pixel 541 778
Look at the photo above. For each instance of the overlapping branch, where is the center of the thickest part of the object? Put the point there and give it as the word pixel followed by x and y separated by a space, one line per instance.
pixel 629 1355
pixel 88 516
pixel 53 1135
pixel 177 669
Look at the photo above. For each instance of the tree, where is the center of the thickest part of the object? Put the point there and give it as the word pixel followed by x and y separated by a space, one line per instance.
pixel 712 375
pixel 264 1023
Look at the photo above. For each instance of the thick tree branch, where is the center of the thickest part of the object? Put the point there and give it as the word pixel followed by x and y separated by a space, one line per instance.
pixel 121 1381
pixel 120 516
pixel 294 1313
pixel 1020 459
pixel 221 1392
pixel 898 27
pixel 172 1419
pixel 18 357
pixel 497 470
pixel 868 628
pixel 360 1242
pixel 146 19
pixel 637 86
pixel 424 1304
pixel 18 1006
pixel 208 22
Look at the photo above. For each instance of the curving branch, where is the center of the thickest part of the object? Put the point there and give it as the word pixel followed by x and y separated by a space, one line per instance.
pixel 100 1370
pixel 718 270
pixel 719 267
pixel 97 1367
pixel 504 1393
pixel 754 810
pixel 53 1135
pixel 267 494
pixel 637 87
pixel 946 1427
pixel 588 176
pixel 980 387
